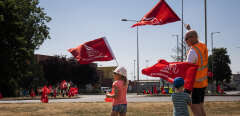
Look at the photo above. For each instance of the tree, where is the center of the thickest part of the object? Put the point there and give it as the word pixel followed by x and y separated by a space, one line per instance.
pixel 175 57
pixel 60 68
pixel 221 69
pixel 23 30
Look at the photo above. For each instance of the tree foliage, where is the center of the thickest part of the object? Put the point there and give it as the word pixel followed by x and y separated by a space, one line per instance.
pixel 22 30
pixel 221 61
pixel 60 68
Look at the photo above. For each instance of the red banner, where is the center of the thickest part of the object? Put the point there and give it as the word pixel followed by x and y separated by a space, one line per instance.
pixel 32 94
pixel 1 95
pixel 45 92
pixel 210 74
pixel 63 85
pixel 72 92
pixel 159 15
pixel 169 71
pixel 96 50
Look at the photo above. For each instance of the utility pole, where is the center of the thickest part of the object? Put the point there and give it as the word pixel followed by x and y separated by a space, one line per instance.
pixel 138 89
pixel 177 46
pixel 182 32
pixel 134 76
pixel 205 10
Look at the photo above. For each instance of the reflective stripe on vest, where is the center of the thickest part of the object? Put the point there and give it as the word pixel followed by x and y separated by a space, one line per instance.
pixel 201 67
pixel 201 79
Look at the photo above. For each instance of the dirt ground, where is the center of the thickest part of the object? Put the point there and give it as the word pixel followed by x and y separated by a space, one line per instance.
pixel 104 109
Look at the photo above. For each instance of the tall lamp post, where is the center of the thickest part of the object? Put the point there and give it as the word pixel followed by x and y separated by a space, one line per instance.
pixel 137 54
pixel 205 13
pixel 134 76
pixel 212 33
pixel 177 46
pixel 182 33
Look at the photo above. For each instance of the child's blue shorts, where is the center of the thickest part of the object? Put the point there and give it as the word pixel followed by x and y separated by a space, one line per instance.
pixel 122 108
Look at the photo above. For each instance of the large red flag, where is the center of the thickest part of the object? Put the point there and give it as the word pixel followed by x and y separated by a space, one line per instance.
pixel 96 50
pixel 159 15
pixel 169 71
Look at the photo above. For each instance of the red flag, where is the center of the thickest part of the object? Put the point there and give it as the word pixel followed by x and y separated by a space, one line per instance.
pixel 54 93
pixel 45 92
pixel 210 74
pixel 169 71
pixel 32 94
pixel 159 15
pixel 219 88
pixel 1 95
pixel 96 50
pixel 162 90
pixel 73 91
pixel 144 91
pixel 63 84
pixel 155 89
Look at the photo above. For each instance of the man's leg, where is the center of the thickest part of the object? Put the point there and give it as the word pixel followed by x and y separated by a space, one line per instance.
pixel 202 101
pixel 196 109
pixel 202 109
pixel 196 102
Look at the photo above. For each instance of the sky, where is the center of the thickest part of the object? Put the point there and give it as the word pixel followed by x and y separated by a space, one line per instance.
pixel 77 21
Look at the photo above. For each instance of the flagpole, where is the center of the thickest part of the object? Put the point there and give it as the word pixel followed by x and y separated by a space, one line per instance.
pixel 116 62
pixel 182 32
pixel 137 84
pixel 205 10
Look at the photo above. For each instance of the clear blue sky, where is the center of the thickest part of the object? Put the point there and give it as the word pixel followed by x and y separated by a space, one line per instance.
pixel 78 21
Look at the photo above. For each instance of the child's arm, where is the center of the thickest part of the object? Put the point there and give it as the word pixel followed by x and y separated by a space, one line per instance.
pixel 189 100
pixel 115 94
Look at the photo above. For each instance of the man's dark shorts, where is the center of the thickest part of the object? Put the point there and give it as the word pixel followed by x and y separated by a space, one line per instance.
pixel 198 95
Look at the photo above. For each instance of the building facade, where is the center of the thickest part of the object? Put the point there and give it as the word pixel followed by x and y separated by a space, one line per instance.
pixel 106 75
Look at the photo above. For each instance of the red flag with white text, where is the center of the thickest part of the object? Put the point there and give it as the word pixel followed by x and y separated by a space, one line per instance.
pixel 95 50
pixel 159 15
pixel 170 70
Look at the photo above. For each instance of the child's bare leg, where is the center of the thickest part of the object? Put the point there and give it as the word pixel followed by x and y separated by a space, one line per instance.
pixel 123 114
pixel 113 113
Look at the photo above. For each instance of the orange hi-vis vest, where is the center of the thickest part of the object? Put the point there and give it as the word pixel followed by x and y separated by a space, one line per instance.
pixel 201 79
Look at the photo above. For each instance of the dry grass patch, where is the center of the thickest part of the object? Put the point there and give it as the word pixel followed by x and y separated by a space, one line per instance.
pixel 104 109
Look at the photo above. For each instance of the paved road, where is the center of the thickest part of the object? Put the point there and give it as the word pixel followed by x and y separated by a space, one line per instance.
pixel 130 98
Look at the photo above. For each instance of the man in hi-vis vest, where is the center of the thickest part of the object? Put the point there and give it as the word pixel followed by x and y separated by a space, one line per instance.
pixel 197 54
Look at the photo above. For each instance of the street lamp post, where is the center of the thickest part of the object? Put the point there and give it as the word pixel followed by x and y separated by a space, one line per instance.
pixel 212 33
pixel 134 76
pixel 177 46
pixel 137 55
pixel 205 13
pixel 182 32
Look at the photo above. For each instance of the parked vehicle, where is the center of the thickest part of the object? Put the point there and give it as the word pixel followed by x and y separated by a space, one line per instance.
pixel 106 89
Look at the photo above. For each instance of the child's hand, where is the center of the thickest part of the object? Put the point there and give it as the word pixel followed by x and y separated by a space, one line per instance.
pixel 108 95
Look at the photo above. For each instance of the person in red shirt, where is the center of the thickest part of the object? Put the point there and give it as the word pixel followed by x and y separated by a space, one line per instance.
pixel 119 86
